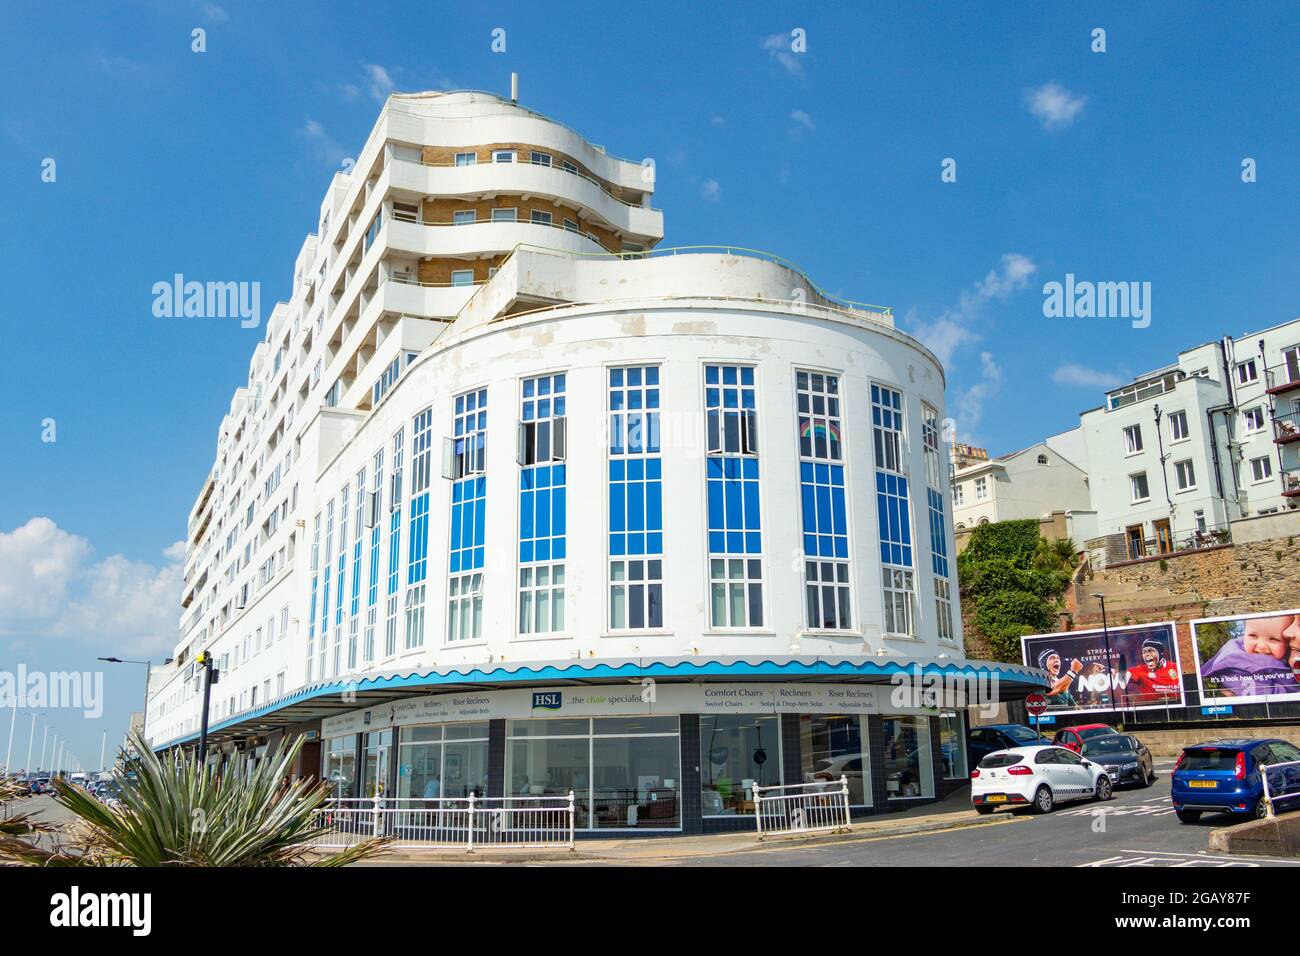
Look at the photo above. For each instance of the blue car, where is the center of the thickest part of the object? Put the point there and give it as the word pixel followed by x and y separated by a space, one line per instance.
pixel 1223 776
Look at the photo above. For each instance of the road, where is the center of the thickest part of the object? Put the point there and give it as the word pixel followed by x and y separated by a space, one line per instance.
pixel 1136 828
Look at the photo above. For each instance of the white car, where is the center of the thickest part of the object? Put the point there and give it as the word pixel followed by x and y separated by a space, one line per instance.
pixel 1036 777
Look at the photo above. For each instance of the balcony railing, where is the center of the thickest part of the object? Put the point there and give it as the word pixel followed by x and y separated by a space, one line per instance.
pixel 599 184
pixel 1189 539
pixel 1286 428
pixel 1284 377
pixel 1291 481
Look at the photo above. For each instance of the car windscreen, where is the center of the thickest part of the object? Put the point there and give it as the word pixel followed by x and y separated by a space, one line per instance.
pixel 993 761
pixel 1209 759
pixel 1096 732
pixel 1110 744
pixel 1020 734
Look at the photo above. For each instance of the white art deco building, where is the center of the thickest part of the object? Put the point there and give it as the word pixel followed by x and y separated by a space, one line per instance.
pixel 514 502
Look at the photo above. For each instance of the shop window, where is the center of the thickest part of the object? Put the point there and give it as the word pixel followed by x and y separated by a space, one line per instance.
pixel 952 747
pixel 834 746
pixel 909 773
pixel 736 753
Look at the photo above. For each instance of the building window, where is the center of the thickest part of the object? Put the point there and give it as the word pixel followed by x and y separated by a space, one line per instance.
pixel 893 511
pixel 542 504
pixel 943 608
pixel 1247 373
pixel 737 751
pixel 443 761
pixel 981 489
pixel 1138 490
pixel 464 217
pixel 417 558
pixel 462 277
pixel 503 156
pixel 406 211
pixel 394 546
pixel 505 215
pixel 1184 475
pixel 732 485
pixel 1261 469
pixel 832 746
pixel 1178 426
pixel 464 458
pixel 952 747
pixel 636 540
pixel 909 772
pixel 1253 419
pixel 1132 439
pixel 822 499
pixel 1199 518
pixel 540 218
pixel 958 493
pixel 539 159
pixel 466 159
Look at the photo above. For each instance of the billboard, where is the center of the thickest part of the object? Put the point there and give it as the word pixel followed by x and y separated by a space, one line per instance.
pixel 1248 658
pixel 1142 672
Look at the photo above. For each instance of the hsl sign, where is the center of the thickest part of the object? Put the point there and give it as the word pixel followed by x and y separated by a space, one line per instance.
pixel 546 700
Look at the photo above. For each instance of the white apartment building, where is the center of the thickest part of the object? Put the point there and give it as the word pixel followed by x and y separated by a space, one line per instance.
pixel 498 447
pixel 1180 452
pixel 1031 483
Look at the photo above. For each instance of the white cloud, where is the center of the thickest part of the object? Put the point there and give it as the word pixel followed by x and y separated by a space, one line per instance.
pixel 1053 105
pixel 778 48
pixel 328 150
pixel 52 588
pixel 802 119
pixel 969 406
pixel 710 190
pixel 379 82
pixel 1080 376
pixel 952 329
pixel 215 13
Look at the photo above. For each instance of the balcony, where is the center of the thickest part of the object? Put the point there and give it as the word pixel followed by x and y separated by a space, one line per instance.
pixel 1286 428
pixel 1291 482
pixel 1284 377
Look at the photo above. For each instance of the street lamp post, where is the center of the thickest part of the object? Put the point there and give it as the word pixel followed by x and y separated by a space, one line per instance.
pixel 210 676
pixel 148 670
pixel 44 740
pixel 31 739
pixel 1105 636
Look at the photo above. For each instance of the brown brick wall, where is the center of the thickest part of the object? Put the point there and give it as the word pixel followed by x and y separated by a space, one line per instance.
pixel 439 270
pixel 446 156
pixel 443 210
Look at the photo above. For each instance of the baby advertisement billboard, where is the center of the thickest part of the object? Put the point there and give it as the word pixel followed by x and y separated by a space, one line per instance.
pixel 1142 670
pixel 1248 658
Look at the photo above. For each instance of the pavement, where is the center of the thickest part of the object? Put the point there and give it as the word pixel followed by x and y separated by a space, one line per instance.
pixel 951 813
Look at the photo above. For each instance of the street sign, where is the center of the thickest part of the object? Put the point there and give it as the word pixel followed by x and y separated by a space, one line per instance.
pixel 1036 704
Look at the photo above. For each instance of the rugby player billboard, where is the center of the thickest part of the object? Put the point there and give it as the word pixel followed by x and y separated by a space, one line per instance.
pixel 1143 671
pixel 1248 658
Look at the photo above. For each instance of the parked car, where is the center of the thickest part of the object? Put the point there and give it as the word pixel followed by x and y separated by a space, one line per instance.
pixel 830 769
pixel 1037 778
pixel 1223 776
pixel 1125 758
pixel 982 741
pixel 1072 738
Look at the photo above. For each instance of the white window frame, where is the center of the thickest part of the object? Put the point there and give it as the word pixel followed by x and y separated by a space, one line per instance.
pixel 1174 436
pixel 498 153
pixel 513 217
pixel 459 277
pixel 1256 478
pixel 1133 440
pixel 1132 487
pixel 1241 371
pixel 466 159
pixel 1183 471
pixel 1248 418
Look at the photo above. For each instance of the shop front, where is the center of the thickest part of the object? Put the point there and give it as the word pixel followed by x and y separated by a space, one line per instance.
pixel 668 757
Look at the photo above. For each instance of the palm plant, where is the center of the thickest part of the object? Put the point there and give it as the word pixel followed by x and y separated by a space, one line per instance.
pixel 17 829
pixel 174 813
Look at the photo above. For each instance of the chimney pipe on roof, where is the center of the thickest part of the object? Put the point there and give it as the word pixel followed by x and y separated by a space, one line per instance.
pixel 514 87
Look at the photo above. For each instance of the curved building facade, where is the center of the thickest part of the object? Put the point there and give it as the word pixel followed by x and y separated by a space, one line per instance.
pixel 516 503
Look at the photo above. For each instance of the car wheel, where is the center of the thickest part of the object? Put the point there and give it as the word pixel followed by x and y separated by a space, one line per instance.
pixel 1149 778
pixel 1104 788
pixel 984 811
pixel 1043 801
pixel 1188 816
pixel 1261 809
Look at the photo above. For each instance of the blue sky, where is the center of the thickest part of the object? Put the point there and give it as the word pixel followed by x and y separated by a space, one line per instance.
pixel 1122 165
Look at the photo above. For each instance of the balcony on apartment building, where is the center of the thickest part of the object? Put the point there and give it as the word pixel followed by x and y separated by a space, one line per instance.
pixel 1286 428
pixel 1284 377
pixel 1291 481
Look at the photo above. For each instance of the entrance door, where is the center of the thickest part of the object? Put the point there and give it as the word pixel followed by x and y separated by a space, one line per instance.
pixel 1136 541
pixel 1164 538
pixel 374 769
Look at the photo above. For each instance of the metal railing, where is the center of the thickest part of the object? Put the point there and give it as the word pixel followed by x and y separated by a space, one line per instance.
pixel 559 167
pixel 1287 373
pixel 1286 427
pixel 1291 480
pixel 1287 784
pixel 461 823
pixel 802 807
